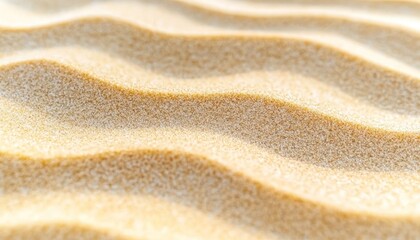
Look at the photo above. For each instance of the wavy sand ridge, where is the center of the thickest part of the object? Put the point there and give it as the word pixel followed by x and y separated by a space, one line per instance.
pixel 212 124
pixel 242 54
pixel 367 35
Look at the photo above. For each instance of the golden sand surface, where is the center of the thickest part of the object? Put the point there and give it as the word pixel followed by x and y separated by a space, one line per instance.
pixel 193 119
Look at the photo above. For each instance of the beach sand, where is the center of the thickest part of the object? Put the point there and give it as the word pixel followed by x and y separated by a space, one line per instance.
pixel 224 119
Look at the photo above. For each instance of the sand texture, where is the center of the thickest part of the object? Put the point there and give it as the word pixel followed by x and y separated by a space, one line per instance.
pixel 196 119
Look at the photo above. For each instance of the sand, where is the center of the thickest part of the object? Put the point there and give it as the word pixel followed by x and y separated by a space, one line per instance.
pixel 219 119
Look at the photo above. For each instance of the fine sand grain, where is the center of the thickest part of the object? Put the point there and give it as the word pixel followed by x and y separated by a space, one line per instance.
pixel 193 119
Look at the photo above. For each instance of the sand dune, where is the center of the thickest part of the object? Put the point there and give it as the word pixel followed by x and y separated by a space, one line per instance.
pixel 217 120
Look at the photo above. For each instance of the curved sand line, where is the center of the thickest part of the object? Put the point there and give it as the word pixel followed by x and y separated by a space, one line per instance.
pixel 81 100
pixel 396 41
pixel 178 21
pixel 385 192
pixel 261 8
pixel 406 7
pixel 277 84
pixel 239 199
pixel 194 56
pixel 60 218
pixel 392 39
pixel 63 230
pixel 61 64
